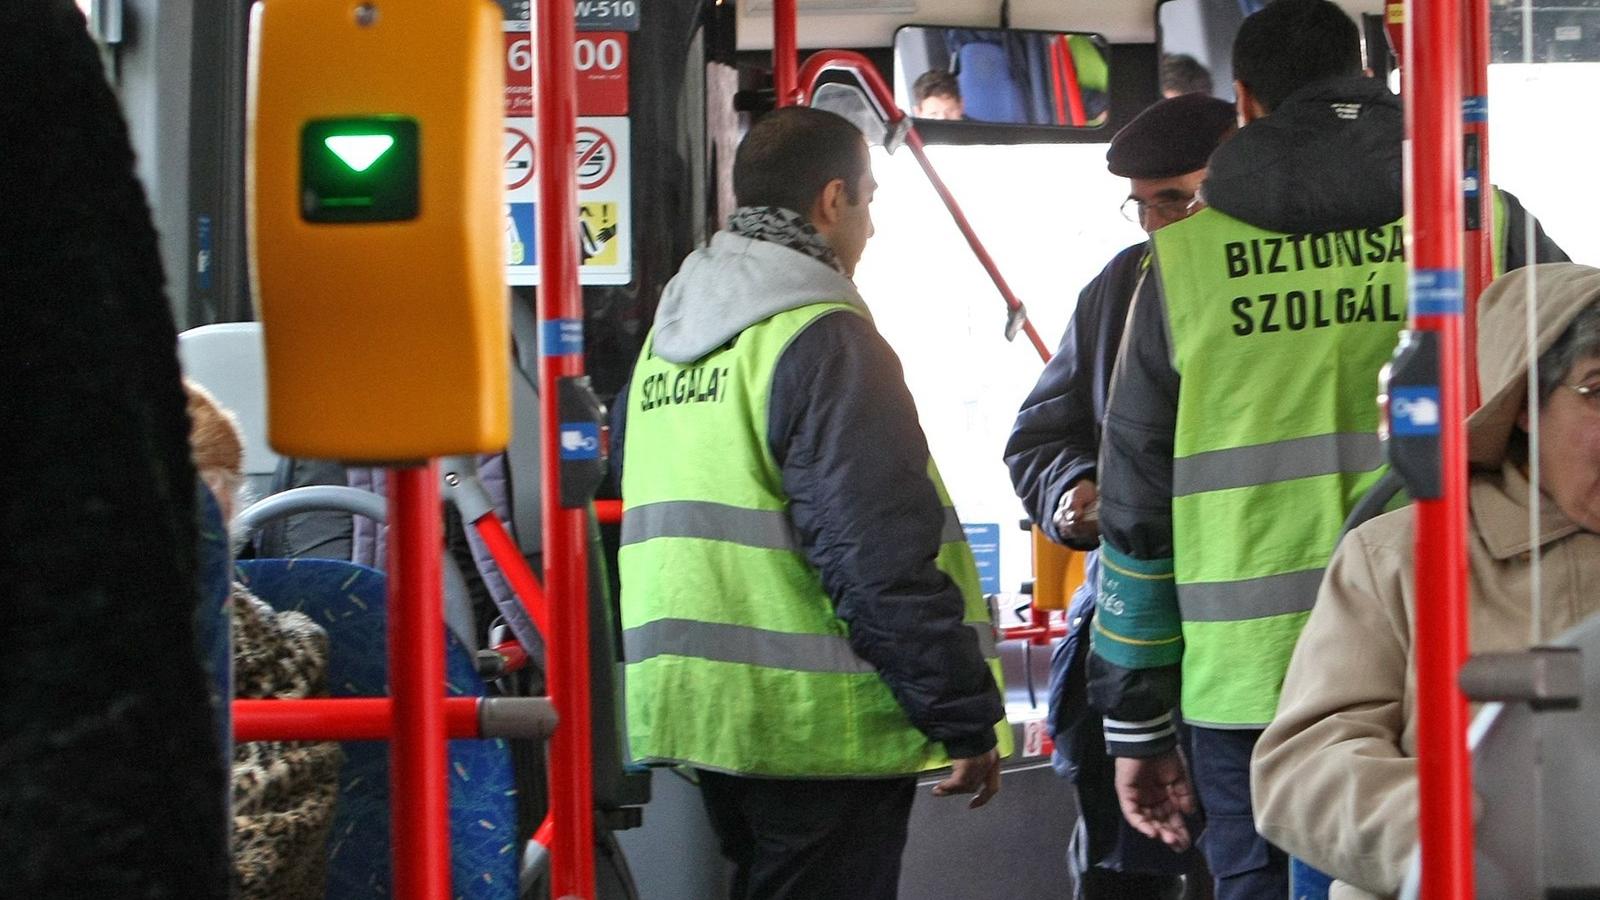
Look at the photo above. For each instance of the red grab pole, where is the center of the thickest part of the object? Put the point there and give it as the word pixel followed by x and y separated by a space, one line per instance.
pixel 418 779
pixel 1479 195
pixel 785 51
pixel 566 535
pixel 1433 116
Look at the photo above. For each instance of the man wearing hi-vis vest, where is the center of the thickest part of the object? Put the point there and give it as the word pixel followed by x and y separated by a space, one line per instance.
pixel 801 616
pixel 1242 427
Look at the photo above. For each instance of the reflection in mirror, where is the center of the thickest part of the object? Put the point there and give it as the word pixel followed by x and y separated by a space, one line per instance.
pixel 1002 75
pixel 1196 43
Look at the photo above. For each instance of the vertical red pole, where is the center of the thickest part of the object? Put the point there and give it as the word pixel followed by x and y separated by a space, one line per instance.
pixel 1480 192
pixel 566 538
pixel 418 783
pixel 1433 117
pixel 785 51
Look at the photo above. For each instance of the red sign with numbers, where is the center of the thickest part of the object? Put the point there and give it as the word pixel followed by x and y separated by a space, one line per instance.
pixel 519 74
pixel 601 59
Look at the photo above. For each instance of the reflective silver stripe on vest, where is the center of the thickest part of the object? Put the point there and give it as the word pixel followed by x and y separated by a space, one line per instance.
pixel 768 529
pixel 1252 598
pixel 1323 454
pixel 757 646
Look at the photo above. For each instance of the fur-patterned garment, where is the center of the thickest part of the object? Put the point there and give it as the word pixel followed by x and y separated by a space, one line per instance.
pixel 283 792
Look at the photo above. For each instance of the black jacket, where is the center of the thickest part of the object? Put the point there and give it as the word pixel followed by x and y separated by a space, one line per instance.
pixel 844 430
pixel 1328 158
pixel 1056 438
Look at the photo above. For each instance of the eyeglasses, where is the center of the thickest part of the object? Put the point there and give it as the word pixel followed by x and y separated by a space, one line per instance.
pixel 1589 392
pixel 1134 209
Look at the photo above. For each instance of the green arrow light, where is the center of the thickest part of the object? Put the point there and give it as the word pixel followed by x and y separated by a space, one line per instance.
pixel 359 151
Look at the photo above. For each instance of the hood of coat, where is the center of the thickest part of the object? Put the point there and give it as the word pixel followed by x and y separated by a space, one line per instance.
pixel 733 283
pixel 1499 509
pixel 1327 159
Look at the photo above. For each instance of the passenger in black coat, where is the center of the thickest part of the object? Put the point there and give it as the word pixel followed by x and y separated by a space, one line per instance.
pixel 111 783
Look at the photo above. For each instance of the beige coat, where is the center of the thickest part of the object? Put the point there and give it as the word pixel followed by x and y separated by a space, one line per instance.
pixel 1334 776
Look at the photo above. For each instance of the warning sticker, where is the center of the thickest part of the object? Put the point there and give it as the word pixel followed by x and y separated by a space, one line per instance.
pixel 597 230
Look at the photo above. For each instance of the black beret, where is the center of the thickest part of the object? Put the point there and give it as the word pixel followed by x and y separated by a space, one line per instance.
pixel 1170 138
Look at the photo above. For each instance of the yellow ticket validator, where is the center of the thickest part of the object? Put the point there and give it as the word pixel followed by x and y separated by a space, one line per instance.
pixel 376 215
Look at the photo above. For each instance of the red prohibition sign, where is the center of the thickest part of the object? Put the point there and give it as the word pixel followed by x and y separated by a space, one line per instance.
pixel 597 158
pixel 519 160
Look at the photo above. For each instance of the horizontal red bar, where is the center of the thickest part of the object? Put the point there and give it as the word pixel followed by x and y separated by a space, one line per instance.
pixel 342 719
pixel 1024 632
pixel 609 512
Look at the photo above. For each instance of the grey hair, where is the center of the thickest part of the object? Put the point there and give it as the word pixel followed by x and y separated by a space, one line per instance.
pixel 1580 341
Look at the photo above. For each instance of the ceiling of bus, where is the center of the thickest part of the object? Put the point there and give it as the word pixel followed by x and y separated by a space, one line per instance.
pixel 855 23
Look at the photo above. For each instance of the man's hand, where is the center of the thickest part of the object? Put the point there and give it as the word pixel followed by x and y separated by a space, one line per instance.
pixel 979 774
pixel 1155 794
pixel 1077 516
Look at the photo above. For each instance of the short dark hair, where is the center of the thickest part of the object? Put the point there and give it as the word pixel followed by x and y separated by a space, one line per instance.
pixel 1289 44
pixel 935 83
pixel 1183 74
pixel 792 153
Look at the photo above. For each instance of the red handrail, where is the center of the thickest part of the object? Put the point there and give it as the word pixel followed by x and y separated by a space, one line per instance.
pixel 566 530
pixel 1074 91
pixel 883 98
pixel 785 51
pixel 340 719
pixel 1433 118
pixel 515 569
pixel 1480 241
pixel 418 776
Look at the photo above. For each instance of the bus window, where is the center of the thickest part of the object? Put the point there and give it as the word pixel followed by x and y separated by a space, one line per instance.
pixel 1540 141
pixel 1048 215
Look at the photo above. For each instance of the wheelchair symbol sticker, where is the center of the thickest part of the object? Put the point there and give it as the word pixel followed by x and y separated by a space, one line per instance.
pixel 580 440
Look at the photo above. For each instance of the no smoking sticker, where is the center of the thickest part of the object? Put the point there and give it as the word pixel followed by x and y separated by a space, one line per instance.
pixel 597 158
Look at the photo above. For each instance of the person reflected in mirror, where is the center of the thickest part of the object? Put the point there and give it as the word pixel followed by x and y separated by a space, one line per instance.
pixel 1240 428
pixel 1335 774
pixel 1052 457
pixel 1183 74
pixel 937 95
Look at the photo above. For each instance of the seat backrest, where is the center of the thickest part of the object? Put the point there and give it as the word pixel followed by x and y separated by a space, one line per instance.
pixel 349 601
pixel 229 360
pixel 989 92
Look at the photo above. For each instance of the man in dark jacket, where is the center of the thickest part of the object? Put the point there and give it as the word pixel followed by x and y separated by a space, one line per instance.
pixel 800 610
pixel 1052 456
pixel 1274 309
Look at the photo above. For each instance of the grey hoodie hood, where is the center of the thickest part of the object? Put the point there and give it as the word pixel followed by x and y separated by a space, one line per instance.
pixel 733 283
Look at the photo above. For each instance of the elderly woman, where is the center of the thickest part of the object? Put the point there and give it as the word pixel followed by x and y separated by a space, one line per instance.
pixel 1335 775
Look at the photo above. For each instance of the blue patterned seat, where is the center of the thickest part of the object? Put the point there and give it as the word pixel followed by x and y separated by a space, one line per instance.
pixel 349 601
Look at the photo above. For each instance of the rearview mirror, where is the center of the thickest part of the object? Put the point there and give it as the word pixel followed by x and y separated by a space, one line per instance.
pixel 1002 75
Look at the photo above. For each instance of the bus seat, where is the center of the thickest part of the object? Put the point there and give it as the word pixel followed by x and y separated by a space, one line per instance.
pixel 1535 791
pixel 349 601
pixel 988 90
pixel 228 359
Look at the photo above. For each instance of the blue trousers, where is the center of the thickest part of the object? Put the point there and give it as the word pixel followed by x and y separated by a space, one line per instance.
pixel 1244 865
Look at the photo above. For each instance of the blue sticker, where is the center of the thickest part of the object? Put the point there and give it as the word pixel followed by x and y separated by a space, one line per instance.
pixel 1414 411
pixel 1474 109
pixel 202 253
pixel 984 538
pixel 1436 292
pixel 580 441
pixel 561 337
